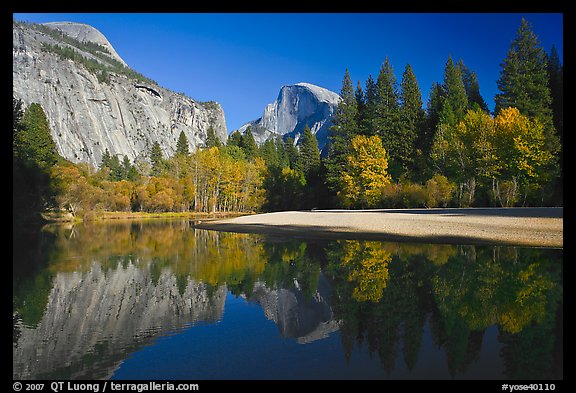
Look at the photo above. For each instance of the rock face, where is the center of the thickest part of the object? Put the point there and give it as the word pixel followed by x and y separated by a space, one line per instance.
pixel 296 106
pixel 89 112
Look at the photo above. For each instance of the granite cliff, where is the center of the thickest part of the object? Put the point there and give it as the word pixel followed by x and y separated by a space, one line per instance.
pixel 94 102
pixel 296 106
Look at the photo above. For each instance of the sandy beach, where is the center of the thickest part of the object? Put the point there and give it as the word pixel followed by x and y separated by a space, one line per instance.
pixel 537 227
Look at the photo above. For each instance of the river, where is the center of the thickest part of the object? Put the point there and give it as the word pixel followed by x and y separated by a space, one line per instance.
pixel 159 299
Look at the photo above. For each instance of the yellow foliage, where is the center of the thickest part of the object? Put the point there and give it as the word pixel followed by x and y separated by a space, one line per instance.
pixel 365 172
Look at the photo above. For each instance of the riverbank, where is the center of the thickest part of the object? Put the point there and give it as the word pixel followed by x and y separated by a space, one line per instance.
pixel 62 217
pixel 535 227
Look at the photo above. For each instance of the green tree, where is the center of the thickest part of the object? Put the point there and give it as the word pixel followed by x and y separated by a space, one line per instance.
pixel 234 139
pixel 386 121
pixel 156 159
pixel 182 145
pixel 34 141
pixel 412 119
pixel 472 87
pixel 308 161
pixel 344 127
pixel 524 82
pixel 249 144
pixel 212 139
pixel 455 91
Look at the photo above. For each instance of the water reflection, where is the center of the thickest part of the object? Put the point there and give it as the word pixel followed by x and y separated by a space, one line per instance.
pixel 86 297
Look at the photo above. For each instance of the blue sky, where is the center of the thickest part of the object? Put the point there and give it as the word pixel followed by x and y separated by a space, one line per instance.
pixel 241 60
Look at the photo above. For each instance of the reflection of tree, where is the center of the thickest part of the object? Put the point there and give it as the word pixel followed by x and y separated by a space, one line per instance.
pixel 463 290
pixel 290 264
pixel 383 293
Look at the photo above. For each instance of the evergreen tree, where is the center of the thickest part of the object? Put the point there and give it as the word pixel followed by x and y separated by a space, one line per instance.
pixel 524 84
pixel 235 139
pixel 34 143
pixel 523 78
pixel 455 91
pixel 106 158
pixel 370 98
pixel 182 145
pixel 211 139
pixel 474 97
pixel 412 117
pixel 249 144
pixel 308 161
pixel 361 106
pixel 116 169
pixel 472 87
pixel 291 152
pixel 34 155
pixel 386 122
pixel 555 83
pixel 17 113
pixel 344 127
pixel 128 170
pixel 156 159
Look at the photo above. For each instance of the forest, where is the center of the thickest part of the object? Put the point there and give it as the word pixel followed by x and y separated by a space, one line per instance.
pixel 386 150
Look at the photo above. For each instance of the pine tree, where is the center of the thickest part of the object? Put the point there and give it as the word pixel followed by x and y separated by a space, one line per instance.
pixel 34 142
pixel 291 152
pixel 361 106
pixel 472 87
pixel 182 145
pixel 386 122
pixel 412 117
pixel 344 127
pixel 523 78
pixel 308 161
pixel 211 139
pixel 474 97
pixel 249 144
pixel 524 83
pixel 370 98
pixel 235 139
pixel 156 159
pixel 555 83
pixel 455 91
pixel 106 157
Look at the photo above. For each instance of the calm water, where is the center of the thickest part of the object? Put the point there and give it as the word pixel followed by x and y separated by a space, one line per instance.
pixel 161 300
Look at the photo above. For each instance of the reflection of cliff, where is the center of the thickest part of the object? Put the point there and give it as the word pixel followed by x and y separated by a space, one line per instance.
pixel 95 318
pixel 305 319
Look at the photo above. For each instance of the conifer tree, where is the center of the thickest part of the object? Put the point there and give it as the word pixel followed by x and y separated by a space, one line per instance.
pixel 35 143
pixel 412 117
pixel 308 161
pixel 523 78
pixel 249 144
pixel 524 83
pixel 455 91
pixel 211 139
pixel 156 159
pixel 555 83
pixel 235 139
pixel 472 87
pixel 344 127
pixel 386 121
pixel 182 145
pixel 370 97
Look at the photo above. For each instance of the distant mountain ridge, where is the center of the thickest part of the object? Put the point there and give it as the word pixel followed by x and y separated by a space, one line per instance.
pixel 94 102
pixel 297 105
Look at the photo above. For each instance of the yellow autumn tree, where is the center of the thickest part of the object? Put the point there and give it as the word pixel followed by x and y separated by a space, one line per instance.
pixel 365 173
pixel 524 159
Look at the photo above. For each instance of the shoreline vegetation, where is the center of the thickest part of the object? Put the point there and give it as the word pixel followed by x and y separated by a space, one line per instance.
pixel 67 217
